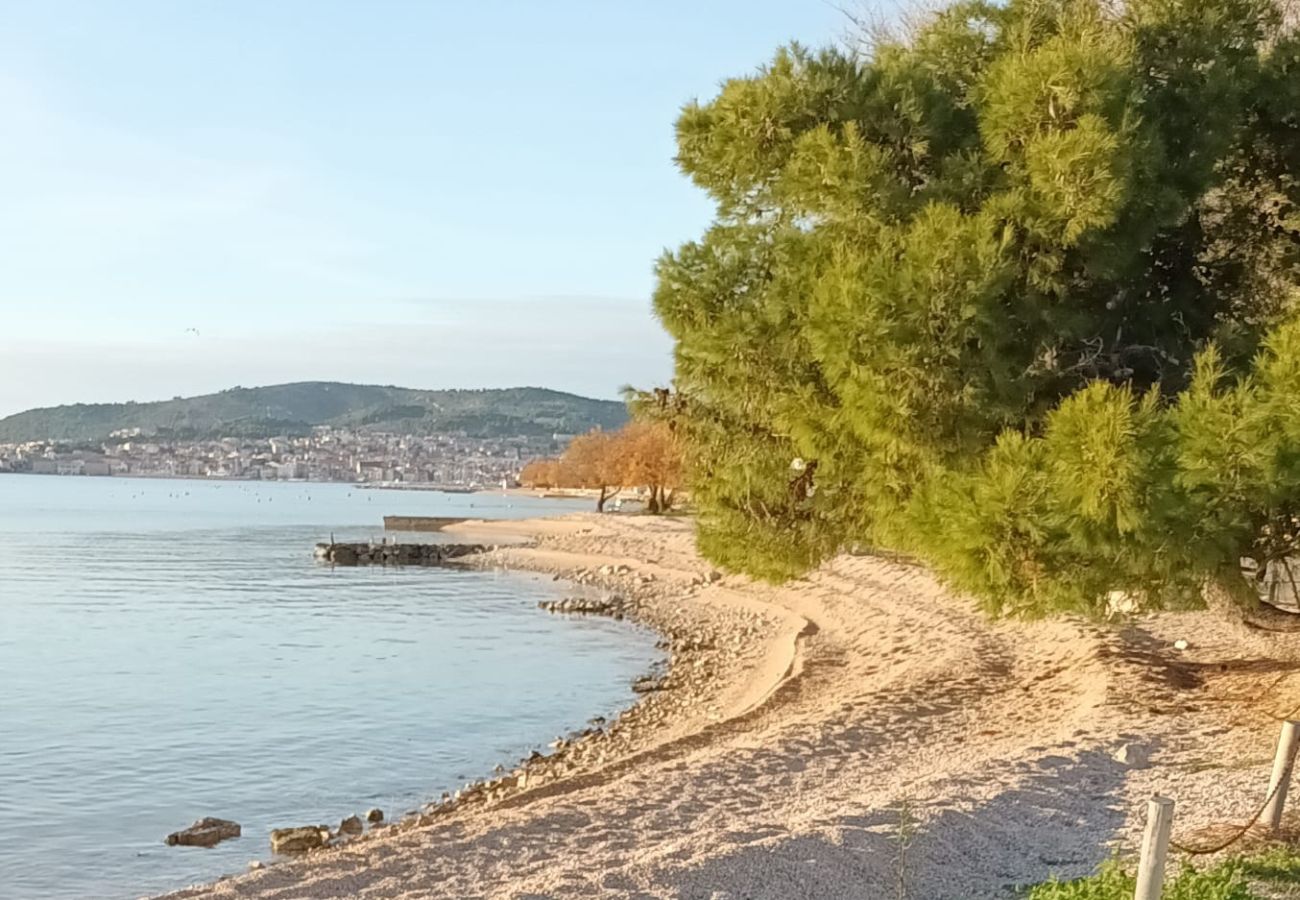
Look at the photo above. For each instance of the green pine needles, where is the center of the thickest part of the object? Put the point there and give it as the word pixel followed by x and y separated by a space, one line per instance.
pixel 1016 293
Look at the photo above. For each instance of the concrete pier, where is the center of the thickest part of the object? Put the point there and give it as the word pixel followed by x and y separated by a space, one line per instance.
pixel 420 523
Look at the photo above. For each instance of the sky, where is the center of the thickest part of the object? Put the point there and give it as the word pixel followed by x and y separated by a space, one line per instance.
pixel 206 193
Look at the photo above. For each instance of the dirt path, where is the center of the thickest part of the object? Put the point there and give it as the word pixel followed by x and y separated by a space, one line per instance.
pixel 845 703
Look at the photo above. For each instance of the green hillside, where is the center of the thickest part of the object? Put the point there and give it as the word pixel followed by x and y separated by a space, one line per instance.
pixel 295 408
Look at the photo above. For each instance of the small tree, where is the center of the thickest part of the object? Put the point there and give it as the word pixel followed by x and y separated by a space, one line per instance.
pixel 593 460
pixel 643 453
pixel 649 457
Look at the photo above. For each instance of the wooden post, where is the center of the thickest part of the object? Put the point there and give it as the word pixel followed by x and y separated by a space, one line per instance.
pixel 1280 780
pixel 1155 847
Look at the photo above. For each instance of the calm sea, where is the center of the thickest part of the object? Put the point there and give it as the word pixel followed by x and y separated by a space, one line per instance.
pixel 171 650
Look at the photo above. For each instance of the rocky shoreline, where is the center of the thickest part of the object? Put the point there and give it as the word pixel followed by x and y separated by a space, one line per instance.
pixel 704 647
pixel 700 644
pixel 797 721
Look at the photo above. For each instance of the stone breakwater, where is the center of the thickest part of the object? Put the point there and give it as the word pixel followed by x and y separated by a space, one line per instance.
pixel 394 554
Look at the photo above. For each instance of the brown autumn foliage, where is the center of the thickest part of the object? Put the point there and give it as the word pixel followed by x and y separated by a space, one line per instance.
pixel 639 455
pixel 650 457
pixel 594 460
pixel 541 473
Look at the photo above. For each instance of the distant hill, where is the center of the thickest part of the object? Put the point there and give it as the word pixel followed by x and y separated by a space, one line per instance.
pixel 295 408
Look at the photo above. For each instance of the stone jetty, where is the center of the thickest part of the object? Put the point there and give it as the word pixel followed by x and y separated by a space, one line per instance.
pixel 394 554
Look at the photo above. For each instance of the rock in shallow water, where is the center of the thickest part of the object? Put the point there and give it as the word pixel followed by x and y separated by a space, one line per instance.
pixel 351 825
pixel 375 815
pixel 206 832
pixel 648 684
pixel 298 840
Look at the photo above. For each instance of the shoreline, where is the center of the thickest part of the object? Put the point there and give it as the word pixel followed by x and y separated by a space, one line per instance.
pixel 799 721
pixel 690 697
pixel 697 673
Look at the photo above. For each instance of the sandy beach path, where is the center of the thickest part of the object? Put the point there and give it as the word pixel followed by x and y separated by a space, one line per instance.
pixel 826 715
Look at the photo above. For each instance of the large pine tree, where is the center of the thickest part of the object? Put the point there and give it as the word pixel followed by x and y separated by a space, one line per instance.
pixel 996 293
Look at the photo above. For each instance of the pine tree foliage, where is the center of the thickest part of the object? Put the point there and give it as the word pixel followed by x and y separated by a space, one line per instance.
pixel 1010 292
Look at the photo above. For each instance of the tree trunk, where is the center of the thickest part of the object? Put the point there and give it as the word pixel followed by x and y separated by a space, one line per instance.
pixel 1224 596
pixel 1230 596
pixel 606 494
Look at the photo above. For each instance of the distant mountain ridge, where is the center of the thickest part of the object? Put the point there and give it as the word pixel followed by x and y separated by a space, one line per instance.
pixel 296 408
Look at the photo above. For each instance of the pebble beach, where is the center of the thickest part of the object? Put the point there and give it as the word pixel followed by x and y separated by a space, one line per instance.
pixel 799 729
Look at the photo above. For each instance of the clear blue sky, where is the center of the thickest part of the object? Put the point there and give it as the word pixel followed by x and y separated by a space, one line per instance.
pixel 431 194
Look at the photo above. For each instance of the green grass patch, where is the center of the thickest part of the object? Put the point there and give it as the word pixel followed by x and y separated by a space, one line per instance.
pixel 1222 882
pixel 1272 874
pixel 1248 878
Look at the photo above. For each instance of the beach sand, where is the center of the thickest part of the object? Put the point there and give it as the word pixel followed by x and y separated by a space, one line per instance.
pixel 804 726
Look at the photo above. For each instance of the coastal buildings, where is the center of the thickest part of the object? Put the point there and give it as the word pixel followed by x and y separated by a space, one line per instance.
pixel 327 454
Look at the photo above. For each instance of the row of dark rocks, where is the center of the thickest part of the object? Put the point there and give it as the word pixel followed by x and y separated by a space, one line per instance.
pixel 615 606
pixel 386 554
pixel 313 837
pixel 208 832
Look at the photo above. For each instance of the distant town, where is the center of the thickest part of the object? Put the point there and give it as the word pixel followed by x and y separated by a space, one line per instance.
pixel 327 454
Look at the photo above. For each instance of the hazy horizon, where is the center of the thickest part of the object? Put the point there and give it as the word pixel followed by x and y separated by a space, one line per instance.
pixel 429 196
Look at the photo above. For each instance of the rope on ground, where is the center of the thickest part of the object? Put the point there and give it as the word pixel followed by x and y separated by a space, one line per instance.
pixel 1242 832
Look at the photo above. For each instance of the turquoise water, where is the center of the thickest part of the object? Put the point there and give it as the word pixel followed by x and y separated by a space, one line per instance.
pixel 171 650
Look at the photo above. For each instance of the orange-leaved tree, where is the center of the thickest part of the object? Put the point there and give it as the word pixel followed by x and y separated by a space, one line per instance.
pixel 642 454
pixel 651 458
pixel 593 460
pixel 541 473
